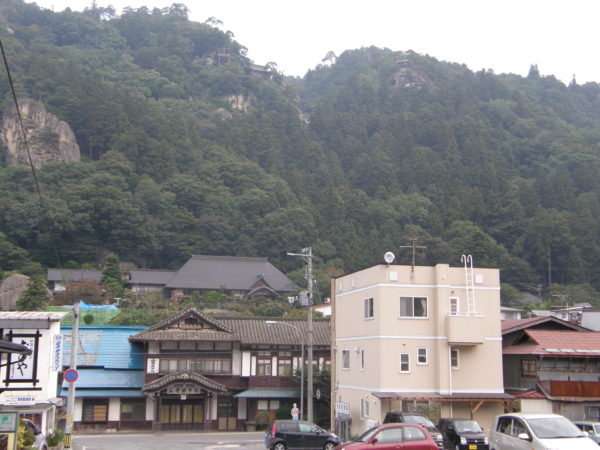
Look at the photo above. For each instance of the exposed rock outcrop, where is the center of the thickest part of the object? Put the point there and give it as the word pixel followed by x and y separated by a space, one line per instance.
pixel 409 76
pixel 11 290
pixel 49 138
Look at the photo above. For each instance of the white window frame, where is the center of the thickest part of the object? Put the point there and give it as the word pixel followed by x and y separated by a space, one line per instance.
pixel 422 351
pixel 364 408
pixel 345 363
pixel 362 359
pixel 407 362
pixel 369 308
pixel 454 307
pixel 426 316
pixel 455 358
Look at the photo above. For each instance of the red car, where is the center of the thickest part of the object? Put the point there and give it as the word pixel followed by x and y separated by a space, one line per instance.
pixel 395 436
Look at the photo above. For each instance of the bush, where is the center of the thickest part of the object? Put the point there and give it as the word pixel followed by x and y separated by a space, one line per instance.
pixel 262 420
pixel 55 438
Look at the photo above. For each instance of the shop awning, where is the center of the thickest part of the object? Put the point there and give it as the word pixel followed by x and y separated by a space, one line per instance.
pixel 102 393
pixel 269 393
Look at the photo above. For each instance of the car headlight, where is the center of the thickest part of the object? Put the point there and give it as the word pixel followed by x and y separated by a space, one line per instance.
pixel 463 440
pixel 485 440
pixel 439 437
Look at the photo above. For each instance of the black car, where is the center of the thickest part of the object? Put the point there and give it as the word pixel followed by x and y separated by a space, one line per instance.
pixel 421 419
pixel 462 434
pixel 298 434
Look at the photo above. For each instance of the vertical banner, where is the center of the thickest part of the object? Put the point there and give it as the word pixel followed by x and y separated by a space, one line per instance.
pixel 57 353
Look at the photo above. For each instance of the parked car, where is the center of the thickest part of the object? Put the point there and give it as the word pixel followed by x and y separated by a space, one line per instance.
pixel 421 419
pixel 537 432
pixel 40 439
pixel 462 434
pixel 393 436
pixel 591 428
pixel 298 434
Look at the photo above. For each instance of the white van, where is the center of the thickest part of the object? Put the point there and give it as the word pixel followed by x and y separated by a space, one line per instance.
pixel 518 431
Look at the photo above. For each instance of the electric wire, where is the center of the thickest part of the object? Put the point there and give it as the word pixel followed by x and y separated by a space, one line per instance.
pixel 31 165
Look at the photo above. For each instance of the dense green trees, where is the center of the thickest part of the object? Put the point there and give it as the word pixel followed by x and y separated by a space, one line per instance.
pixel 185 151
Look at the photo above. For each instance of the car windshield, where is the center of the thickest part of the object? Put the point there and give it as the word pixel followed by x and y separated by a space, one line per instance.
pixel 421 420
pixel 366 435
pixel 554 427
pixel 467 426
pixel 597 428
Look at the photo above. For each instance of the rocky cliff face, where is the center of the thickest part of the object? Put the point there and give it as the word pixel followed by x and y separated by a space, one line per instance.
pixel 49 138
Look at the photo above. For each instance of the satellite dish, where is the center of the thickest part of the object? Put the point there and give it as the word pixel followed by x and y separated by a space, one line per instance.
pixel 389 257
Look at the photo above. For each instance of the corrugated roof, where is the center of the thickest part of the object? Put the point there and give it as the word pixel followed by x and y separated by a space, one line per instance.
pixel 73 275
pixel 244 330
pixel 107 347
pixel 229 273
pixel 146 276
pixel 108 379
pixel 556 343
pixel 50 316
pixel 102 393
pixel 511 325
pixel 269 393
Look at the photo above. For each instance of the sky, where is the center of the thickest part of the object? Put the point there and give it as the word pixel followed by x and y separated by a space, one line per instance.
pixel 507 36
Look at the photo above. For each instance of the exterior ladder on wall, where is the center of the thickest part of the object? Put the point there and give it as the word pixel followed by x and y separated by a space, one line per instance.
pixel 469 283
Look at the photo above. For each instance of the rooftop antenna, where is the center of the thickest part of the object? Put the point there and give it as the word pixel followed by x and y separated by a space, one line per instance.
pixel 414 248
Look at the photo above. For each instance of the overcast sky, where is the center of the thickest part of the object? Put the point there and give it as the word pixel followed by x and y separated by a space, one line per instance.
pixel 560 36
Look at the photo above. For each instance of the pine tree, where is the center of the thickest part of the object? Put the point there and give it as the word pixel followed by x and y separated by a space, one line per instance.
pixel 35 297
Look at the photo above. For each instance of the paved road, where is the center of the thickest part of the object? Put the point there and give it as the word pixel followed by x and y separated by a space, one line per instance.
pixel 170 441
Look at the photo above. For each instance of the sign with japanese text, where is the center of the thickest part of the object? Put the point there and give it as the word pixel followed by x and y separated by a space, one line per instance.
pixel 23 369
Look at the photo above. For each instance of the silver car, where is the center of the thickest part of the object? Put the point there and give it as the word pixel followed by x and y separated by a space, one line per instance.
pixel 40 439
pixel 591 428
pixel 521 431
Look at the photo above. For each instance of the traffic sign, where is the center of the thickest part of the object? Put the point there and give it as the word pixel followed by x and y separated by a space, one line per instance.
pixel 71 375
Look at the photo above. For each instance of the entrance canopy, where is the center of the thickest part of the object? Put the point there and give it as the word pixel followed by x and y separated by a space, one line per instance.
pixel 168 381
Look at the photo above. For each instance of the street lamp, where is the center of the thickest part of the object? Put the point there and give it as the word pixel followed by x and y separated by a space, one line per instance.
pixel 275 322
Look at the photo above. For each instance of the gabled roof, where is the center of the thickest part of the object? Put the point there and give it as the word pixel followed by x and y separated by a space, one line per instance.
pixel 147 276
pixel 556 343
pixel 74 275
pixel 549 322
pixel 105 347
pixel 232 273
pixel 245 330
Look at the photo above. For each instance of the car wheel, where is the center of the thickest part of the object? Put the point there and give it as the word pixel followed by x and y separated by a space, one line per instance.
pixel 329 446
pixel 279 446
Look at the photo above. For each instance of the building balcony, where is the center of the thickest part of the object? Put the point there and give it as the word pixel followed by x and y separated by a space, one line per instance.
pixel 465 329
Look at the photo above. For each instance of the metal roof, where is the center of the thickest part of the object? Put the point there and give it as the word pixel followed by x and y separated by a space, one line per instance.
pixel 108 379
pixel 269 393
pixel 107 347
pixel 556 343
pixel 233 273
pixel 101 393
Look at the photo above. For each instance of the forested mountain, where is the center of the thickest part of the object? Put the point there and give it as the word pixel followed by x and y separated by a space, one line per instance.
pixel 187 149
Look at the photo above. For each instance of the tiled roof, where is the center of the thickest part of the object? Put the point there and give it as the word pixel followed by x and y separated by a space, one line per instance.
pixel 106 347
pixel 207 383
pixel 108 379
pixel 244 330
pixel 146 276
pixel 229 273
pixel 556 343
pixel 73 275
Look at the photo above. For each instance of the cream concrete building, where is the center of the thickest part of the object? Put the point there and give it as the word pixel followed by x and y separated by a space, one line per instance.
pixel 417 338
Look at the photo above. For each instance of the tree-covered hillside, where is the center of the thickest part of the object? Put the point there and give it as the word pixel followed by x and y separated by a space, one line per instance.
pixel 187 149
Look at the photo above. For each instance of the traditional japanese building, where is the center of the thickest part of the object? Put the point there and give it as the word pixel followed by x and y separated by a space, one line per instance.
pixel 207 373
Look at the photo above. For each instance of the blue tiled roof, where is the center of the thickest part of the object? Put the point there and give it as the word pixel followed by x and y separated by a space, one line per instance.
pixel 103 393
pixel 105 346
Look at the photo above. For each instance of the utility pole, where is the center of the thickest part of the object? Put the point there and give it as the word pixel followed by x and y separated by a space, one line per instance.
pixel 73 365
pixel 307 256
